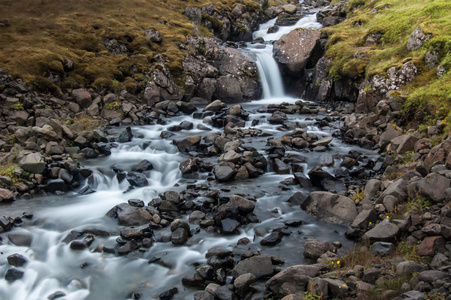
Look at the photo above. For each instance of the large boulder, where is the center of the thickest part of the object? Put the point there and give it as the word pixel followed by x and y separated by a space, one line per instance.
pixel 292 280
pixel 33 163
pixel 259 266
pixel 385 231
pixel 330 207
pixel 294 49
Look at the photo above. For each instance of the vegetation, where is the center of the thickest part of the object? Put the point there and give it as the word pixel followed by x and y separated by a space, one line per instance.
pixel 50 38
pixel 427 97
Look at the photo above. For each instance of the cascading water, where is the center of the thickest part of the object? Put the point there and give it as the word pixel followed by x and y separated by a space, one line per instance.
pixel 270 76
pixel 94 273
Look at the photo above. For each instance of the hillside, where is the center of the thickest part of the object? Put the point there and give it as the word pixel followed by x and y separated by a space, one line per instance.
pixel 56 45
pixel 374 38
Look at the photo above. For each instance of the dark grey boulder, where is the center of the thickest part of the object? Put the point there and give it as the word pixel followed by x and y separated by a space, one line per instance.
pixel 385 231
pixel 229 226
pixel 125 136
pixel 189 166
pixel 56 185
pixel 272 239
pixel 179 236
pixel 13 274
pixel 128 215
pixel 382 248
pixel 292 280
pixel 137 179
pixel 259 266
pixel 223 172
pixel 16 260
pixel 142 166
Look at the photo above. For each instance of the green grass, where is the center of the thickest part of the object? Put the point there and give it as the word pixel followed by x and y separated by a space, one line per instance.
pixel 426 93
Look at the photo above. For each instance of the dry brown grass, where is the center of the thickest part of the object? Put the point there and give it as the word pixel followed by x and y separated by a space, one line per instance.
pixel 43 34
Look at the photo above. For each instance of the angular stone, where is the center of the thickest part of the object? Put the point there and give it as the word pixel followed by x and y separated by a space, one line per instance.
pixel 330 207
pixel 408 267
pixel 431 245
pixel 13 274
pixel 16 260
pixel 272 239
pixel 137 179
pixel 130 216
pixel 294 49
pixel 244 205
pixel 314 249
pixel 229 226
pixel 33 163
pixel 142 166
pixel 6 196
pixel 82 97
pixel 189 166
pixel 323 142
pixel 382 248
pixel 291 280
pixel 385 231
pixel 223 172
pixel 364 218
pixel 259 266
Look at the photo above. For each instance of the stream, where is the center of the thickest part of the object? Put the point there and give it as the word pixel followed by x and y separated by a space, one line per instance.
pixel 92 274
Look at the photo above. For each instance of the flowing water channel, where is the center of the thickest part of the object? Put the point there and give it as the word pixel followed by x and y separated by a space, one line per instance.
pixel 52 266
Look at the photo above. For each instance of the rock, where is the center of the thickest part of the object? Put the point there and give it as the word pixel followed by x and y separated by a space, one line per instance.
pixel 294 49
pixel 56 185
pixel 33 163
pixel 243 282
pixel 223 172
pixel 259 266
pixel 336 288
pixel 78 245
pixel 229 226
pixel 82 97
pixel 289 8
pixel 416 39
pixel 130 216
pixel 56 295
pixel 431 245
pixel 280 167
pixel 314 249
pixel 137 179
pixel 323 142
pixel 228 89
pixel 277 117
pixel 203 295
pixel 13 274
pixel 193 14
pixel 113 46
pixel 382 248
pixel 6 196
pixel 20 238
pixel 371 275
pixel 189 166
pixel 330 207
pixel 403 143
pixel 196 217
pixel 125 136
pixel 324 180
pixel 216 105
pixel 243 205
pixel 142 166
pixel 412 295
pixel 272 239
pixel 128 247
pixel 188 144
pixel 326 160
pixel 153 35
pixel 433 187
pixel 179 236
pixel 364 218
pixel 291 280
pixel 389 134
pixel 385 231
pixel 408 268
pixel 16 260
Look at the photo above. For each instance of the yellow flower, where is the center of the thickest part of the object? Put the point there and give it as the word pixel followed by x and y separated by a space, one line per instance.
pixel 388 217
pixel 338 262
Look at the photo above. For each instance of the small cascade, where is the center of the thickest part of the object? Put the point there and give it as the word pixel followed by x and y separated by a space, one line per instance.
pixel 270 76
pixel 269 73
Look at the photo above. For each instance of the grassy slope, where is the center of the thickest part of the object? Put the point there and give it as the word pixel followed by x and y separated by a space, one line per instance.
pixel 43 34
pixel 427 92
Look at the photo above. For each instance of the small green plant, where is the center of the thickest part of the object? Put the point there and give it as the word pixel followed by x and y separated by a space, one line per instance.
pixel 312 296
pixel 17 106
pixel 417 202
pixel 112 105
pixel 408 252
pixel 8 171
pixel 407 158
pixel 359 194
pixel 12 139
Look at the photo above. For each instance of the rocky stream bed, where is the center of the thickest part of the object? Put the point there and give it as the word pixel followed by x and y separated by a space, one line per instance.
pixel 198 198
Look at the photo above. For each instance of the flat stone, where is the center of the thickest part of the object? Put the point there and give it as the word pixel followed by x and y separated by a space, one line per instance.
pixel 385 231
pixel 20 238
pixel 323 142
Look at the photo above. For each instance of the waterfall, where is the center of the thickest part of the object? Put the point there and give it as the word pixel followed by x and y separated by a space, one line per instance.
pixel 269 73
pixel 270 76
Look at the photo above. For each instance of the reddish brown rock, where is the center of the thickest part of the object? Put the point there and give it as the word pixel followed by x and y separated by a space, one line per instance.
pixel 430 245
